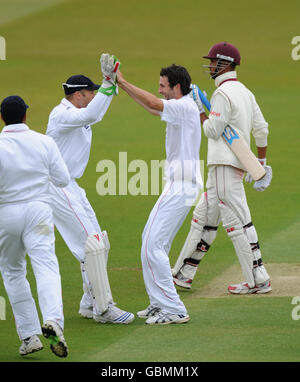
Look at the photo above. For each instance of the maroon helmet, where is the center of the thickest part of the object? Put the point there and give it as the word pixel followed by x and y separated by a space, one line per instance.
pixel 224 51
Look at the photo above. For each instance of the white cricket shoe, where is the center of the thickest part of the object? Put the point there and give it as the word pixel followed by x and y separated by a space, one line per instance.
pixel 182 281
pixel 30 345
pixel 163 318
pixel 243 288
pixel 54 333
pixel 151 310
pixel 114 315
pixel 86 312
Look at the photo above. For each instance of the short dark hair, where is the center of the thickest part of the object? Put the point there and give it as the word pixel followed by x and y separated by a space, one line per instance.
pixel 177 74
pixel 13 110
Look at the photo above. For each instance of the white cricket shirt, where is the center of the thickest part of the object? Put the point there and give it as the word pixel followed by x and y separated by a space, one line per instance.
pixel 70 127
pixel 232 103
pixel 28 160
pixel 183 138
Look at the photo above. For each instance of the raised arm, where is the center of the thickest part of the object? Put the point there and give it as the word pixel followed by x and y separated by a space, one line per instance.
pixel 92 113
pixel 148 101
pixel 96 109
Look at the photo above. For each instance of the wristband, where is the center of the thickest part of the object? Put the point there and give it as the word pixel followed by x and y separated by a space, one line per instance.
pixel 262 161
pixel 108 91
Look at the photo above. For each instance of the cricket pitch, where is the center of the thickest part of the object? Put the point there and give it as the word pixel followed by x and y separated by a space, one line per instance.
pixel 285 281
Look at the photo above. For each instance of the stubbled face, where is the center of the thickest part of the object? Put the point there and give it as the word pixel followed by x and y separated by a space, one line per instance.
pixel 218 67
pixel 84 97
pixel 165 89
pixel 212 67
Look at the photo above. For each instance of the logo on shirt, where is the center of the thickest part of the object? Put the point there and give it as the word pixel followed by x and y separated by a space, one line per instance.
pixel 87 127
pixel 215 114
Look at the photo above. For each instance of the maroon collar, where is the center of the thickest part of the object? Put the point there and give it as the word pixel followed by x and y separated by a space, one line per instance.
pixel 229 79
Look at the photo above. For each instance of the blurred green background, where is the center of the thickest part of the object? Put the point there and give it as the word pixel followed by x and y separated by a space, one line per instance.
pixel 46 42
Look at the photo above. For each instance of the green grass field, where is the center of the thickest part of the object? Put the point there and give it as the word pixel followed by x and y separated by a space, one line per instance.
pixel 47 42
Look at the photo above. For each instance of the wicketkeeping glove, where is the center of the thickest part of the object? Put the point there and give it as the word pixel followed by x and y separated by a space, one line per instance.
pixel 195 96
pixel 109 67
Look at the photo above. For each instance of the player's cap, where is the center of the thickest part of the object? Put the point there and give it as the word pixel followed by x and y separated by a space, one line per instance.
pixel 79 82
pixel 13 109
pixel 224 51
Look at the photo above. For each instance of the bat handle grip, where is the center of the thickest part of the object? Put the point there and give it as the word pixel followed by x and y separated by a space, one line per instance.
pixel 204 100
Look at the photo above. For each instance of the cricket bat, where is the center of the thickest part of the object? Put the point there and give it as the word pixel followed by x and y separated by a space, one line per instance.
pixel 239 146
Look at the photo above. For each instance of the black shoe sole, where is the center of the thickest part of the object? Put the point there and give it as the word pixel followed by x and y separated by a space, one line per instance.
pixel 58 348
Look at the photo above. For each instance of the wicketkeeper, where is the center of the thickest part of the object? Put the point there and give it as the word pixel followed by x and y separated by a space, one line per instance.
pixel 225 200
pixel 70 125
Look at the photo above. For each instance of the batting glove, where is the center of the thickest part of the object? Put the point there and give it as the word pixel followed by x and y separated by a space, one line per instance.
pixel 195 96
pixel 109 67
pixel 262 184
pixel 248 178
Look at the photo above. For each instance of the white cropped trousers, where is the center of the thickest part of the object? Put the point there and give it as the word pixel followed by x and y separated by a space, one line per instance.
pixel 28 228
pixel 75 219
pixel 166 217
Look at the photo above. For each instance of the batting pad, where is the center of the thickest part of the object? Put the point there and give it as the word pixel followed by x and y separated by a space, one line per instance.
pixel 235 231
pixel 95 265
pixel 194 236
pixel 106 243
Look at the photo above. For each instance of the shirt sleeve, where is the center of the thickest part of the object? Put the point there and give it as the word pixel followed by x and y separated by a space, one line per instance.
pixel 58 171
pixel 172 111
pixel 260 126
pixel 94 112
pixel 219 116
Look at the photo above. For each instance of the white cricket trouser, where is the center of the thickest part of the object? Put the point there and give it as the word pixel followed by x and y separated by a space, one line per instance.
pixel 166 217
pixel 225 183
pixel 28 228
pixel 75 219
pixel 73 216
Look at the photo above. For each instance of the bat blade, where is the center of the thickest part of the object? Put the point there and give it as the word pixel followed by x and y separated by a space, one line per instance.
pixel 240 148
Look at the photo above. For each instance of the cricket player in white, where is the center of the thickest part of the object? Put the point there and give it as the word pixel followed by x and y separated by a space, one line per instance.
pixel 183 183
pixel 231 104
pixel 28 161
pixel 70 126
